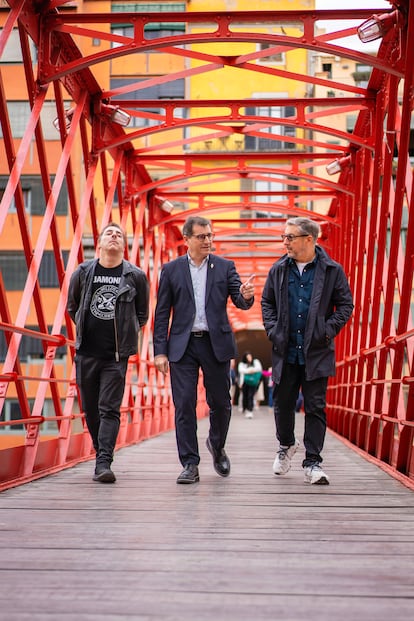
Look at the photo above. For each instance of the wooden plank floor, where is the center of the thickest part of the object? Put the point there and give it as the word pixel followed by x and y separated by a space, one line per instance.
pixel 251 547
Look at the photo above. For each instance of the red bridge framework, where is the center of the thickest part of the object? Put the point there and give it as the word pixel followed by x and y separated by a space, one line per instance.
pixel 151 189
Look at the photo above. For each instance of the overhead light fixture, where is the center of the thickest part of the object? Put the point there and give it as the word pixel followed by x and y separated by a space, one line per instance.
pixel 68 114
pixel 116 114
pixel 164 203
pixel 167 206
pixel 377 26
pixel 338 165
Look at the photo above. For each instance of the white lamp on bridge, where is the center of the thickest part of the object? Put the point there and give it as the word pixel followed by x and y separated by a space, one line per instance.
pixel 67 116
pixel 338 165
pixel 116 114
pixel 164 203
pixel 378 26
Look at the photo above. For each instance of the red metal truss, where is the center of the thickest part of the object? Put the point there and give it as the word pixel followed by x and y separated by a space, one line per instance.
pixel 200 149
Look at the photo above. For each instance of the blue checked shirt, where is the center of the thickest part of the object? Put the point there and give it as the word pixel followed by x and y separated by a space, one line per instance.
pixel 300 293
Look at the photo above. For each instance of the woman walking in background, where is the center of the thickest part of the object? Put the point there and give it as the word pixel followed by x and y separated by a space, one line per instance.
pixel 250 375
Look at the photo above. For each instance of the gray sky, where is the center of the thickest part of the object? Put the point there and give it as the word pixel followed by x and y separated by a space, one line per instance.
pixel 354 42
pixel 350 4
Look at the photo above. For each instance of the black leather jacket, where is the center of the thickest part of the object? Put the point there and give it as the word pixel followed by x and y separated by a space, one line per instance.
pixel 131 310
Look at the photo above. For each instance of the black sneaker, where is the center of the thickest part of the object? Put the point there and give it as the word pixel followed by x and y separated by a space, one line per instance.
pixel 189 474
pixel 104 475
pixel 221 462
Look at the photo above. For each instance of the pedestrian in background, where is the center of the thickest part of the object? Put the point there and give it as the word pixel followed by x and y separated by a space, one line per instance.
pixel 306 301
pixel 250 374
pixel 193 293
pixel 234 382
pixel 267 376
pixel 108 300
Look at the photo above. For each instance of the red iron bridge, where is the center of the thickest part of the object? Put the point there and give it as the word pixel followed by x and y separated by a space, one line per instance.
pixel 146 113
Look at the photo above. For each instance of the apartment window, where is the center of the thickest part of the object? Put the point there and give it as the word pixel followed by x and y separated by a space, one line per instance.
pixel 269 186
pixel 170 90
pixel 48 277
pixel 248 185
pixel 276 59
pixel 12 53
pixel 327 68
pixel 362 75
pixel 122 31
pixel 152 30
pixel 14 270
pixel 19 114
pixel 254 143
pixel 145 7
pixel 33 195
pixel 350 122
pixel 12 411
pixel 27 197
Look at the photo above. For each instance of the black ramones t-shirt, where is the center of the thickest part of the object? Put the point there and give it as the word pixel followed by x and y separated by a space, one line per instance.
pixel 98 338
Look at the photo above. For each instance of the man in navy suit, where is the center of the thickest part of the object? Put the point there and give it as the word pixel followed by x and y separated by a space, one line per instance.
pixel 194 290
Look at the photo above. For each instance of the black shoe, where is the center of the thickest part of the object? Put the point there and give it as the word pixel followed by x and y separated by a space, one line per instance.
pixel 221 462
pixel 104 475
pixel 189 474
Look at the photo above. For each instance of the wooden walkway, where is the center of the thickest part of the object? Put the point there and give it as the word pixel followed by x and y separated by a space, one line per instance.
pixel 251 547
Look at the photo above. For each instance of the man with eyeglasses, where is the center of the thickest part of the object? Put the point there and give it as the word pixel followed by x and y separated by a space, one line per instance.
pixel 193 292
pixel 306 301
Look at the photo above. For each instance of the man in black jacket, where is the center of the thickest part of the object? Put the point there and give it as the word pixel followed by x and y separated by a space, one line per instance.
pixel 306 301
pixel 108 300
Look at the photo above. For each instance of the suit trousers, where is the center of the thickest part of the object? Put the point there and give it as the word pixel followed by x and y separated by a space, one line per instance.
pixel 285 395
pixel 184 381
pixel 101 384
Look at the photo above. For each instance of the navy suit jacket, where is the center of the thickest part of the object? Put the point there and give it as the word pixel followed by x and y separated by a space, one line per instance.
pixel 176 299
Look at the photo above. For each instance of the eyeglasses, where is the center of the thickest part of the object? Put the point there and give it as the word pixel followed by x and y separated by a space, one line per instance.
pixel 290 238
pixel 203 236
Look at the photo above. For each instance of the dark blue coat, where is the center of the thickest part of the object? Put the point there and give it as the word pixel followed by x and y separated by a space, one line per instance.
pixel 176 299
pixel 330 308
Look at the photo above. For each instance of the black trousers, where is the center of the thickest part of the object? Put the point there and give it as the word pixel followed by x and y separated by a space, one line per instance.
pixel 184 380
pixel 248 392
pixel 285 395
pixel 101 384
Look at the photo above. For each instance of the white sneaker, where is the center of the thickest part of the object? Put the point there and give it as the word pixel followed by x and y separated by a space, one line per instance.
pixel 249 414
pixel 315 475
pixel 281 465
